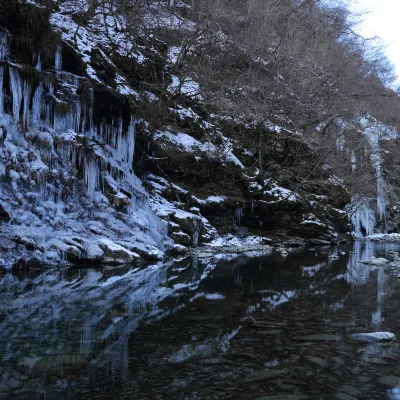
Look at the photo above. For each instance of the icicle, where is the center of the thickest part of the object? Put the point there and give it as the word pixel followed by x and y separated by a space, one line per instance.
pixel 25 111
pixel 39 64
pixel 58 59
pixel 16 90
pixel 4 45
pixel 353 161
pixel 363 219
pixel 340 141
pixel 373 134
pixel 1 90
pixel 131 143
pixel 196 232
pixel 77 117
pixel 69 120
pixel 37 105
pixel 91 176
pixel 238 215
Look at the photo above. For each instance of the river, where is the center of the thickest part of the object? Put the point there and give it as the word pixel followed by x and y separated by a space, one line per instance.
pixel 185 329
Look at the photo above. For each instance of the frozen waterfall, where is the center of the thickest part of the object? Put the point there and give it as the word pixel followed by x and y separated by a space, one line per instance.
pixel 364 218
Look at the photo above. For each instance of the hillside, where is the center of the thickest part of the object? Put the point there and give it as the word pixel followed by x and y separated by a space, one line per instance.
pixel 132 129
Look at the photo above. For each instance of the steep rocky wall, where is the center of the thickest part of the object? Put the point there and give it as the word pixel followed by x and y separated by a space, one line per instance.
pixel 66 163
pixel 87 114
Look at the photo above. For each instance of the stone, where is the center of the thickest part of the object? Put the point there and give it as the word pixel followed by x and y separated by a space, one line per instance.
pixel 270 332
pixel 31 263
pixel 350 390
pixel 375 262
pixel 390 381
pixel 181 238
pixel 319 337
pixel 374 337
pixel 29 244
pixel 34 263
pixel 215 361
pixel 205 255
pixel 349 324
pixel 115 253
pixel 376 361
pixel 344 396
pixel 265 375
pixel 284 397
pixel 317 361
pixel 6 244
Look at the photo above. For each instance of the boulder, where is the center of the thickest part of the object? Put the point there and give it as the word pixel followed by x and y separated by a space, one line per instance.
pixel 29 244
pixel 389 381
pixel 181 238
pixel 115 253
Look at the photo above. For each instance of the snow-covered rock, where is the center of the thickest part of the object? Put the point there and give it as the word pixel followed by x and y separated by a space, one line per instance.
pixel 375 262
pixel 375 337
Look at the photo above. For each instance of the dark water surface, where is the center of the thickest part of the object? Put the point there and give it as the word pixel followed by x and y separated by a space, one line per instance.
pixel 176 330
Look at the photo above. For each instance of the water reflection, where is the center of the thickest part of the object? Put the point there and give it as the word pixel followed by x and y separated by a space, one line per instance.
pixel 179 329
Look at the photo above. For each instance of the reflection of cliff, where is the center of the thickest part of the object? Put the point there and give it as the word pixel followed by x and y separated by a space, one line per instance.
pixel 132 325
pixel 76 317
pixel 359 274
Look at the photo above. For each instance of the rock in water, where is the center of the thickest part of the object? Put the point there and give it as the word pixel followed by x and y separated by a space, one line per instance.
pixel 390 381
pixel 284 397
pixel 317 361
pixel 375 337
pixel 376 262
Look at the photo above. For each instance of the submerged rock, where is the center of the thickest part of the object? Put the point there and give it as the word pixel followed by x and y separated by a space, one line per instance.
pixel 374 337
pixel 317 361
pixel 344 396
pixel 390 381
pixel 376 262
pixel 319 337
pixel 265 374
pixel 284 397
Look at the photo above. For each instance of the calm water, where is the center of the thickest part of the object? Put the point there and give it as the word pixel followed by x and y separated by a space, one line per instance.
pixel 176 330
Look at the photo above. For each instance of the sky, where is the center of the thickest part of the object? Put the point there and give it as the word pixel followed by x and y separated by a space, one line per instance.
pixel 382 20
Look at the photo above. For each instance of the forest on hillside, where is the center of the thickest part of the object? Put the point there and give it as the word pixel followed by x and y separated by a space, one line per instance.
pixel 301 64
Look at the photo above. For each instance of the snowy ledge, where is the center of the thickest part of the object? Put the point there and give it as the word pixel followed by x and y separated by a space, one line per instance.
pixel 381 237
pixel 253 245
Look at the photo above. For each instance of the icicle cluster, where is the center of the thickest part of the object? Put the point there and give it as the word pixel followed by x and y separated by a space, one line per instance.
pixel 39 109
pixel 364 218
pixel 58 59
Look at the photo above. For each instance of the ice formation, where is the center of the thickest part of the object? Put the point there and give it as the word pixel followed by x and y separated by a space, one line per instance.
pixel 67 182
pixel 58 59
pixel 364 218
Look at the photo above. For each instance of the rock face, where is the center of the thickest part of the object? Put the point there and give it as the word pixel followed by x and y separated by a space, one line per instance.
pixel 75 137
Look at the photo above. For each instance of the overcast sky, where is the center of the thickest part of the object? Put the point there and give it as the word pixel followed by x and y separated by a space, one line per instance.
pixel 382 21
